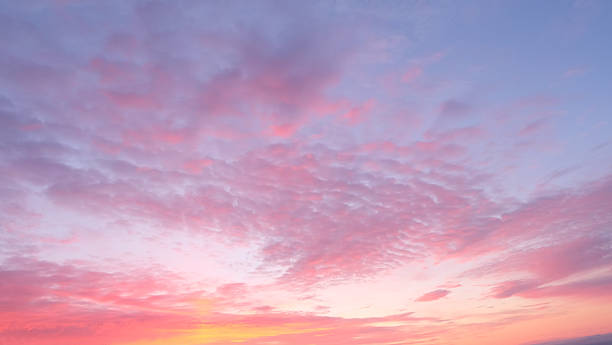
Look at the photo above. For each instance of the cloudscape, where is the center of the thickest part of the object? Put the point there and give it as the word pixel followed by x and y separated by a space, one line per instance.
pixel 305 172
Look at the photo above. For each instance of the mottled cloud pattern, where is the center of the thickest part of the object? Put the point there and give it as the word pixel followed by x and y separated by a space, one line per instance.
pixel 187 172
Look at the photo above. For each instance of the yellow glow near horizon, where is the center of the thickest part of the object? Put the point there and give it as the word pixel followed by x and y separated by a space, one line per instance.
pixel 234 333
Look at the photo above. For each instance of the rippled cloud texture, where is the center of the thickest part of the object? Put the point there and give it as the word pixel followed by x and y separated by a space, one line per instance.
pixel 335 172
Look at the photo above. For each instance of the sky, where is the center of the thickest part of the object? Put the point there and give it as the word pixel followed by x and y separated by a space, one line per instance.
pixel 305 173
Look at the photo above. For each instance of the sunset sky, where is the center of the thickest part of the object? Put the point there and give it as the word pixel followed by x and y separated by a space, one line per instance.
pixel 305 172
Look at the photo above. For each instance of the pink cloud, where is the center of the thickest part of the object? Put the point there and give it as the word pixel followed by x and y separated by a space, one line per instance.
pixel 450 285
pixel 411 74
pixel 195 166
pixel 433 295
pixel 587 288
pixel 56 303
pixel 509 288
pixel 357 114
pixel 133 100
pixel 533 127
pixel 283 130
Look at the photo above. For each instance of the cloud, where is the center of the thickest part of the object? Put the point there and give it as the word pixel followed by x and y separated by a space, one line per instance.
pixel 534 127
pixel 433 295
pixel 357 114
pixel 599 339
pixel 509 288
pixel 48 303
pixel 454 108
pixel 411 74
pixel 575 72
pixel 587 288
